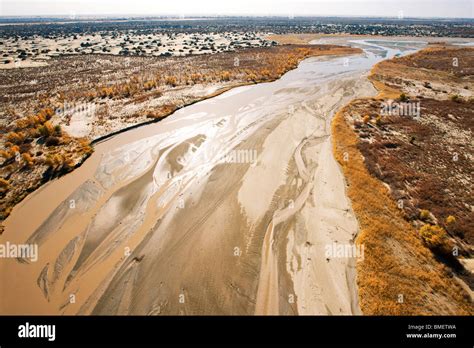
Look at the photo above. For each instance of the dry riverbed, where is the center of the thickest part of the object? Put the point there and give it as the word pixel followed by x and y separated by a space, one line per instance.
pixel 233 205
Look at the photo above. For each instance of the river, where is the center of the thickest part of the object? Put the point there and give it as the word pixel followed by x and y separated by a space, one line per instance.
pixel 227 206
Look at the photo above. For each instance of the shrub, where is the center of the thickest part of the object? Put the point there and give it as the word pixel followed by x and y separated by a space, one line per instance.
pixel 49 161
pixel 378 120
pixel 149 85
pixel 225 76
pixel 425 215
pixel 403 97
pixel 252 77
pixel 436 239
pixel 52 141
pixel 196 77
pixel 171 80
pixel 33 133
pixel 85 146
pixel 28 159
pixel 46 129
pixel 57 130
pixel 152 114
pixel 4 183
pixel 455 98
pixel 6 154
pixel 67 164
pixel 54 161
pixel 90 96
pixel 26 147
pixel 15 138
pixel 105 92
pixel 265 73
pixel 450 220
pixel 48 113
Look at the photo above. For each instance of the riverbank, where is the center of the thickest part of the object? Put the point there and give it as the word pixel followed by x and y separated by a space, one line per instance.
pixel 388 160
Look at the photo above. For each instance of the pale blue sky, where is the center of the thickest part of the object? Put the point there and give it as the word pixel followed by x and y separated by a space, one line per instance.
pixel 390 8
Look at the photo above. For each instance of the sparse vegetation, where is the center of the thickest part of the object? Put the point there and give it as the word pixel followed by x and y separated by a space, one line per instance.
pixel 450 220
pixel 4 184
pixel 171 81
pixel 456 98
pixel 425 215
pixel 410 223
pixel 27 159
pixel 436 238
pixel 403 98
pixel 396 261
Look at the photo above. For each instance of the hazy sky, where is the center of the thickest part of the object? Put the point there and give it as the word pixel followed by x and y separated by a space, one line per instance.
pixel 391 8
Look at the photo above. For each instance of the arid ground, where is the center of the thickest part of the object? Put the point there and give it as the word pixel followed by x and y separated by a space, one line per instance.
pixel 278 179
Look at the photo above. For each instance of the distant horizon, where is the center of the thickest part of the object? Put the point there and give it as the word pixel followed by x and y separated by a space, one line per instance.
pixel 199 16
pixel 443 9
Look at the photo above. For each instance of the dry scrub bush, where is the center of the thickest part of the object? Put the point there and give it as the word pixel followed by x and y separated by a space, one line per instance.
pixel 436 238
pixel 9 152
pixel 59 162
pixel 196 78
pixel 4 184
pixel 456 98
pixel 149 85
pixel 425 215
pixel 378 120
pixel 52 141
pixel 403 97
pixel 450 220
pixel 5 154
pixel 46 129
pixel 28 160
pixel 15 138
pixel 225 76
pixel 171 81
